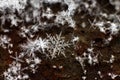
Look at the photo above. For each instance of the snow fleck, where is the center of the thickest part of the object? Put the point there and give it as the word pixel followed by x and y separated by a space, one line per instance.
pixel 14 72
pixel 83 77
pixel 100 74
pixel 75 39
pixel 112 59
pixel 112 75
pixel 16 58
pixel 5 41
pixel 81 61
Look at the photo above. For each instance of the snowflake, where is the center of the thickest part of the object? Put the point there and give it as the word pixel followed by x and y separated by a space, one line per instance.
pixel 38 44
pixel 14 72
pixel 57 45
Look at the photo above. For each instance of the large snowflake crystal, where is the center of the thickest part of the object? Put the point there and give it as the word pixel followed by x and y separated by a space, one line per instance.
pixel 38 44
pixel 57 45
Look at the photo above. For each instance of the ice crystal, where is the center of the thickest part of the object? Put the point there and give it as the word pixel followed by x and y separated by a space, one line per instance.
pixel 81 61
pixel 57 45
pixel 89 55
pixel 52 1
pixel 112 75
pixel 14 72
pixel 38 44
pixel 48 13
pixel 33 63
pixel 116 3
pixel 54 45
pixel 63 17
pixel 16 58
pixel 14 4
pixel 5 41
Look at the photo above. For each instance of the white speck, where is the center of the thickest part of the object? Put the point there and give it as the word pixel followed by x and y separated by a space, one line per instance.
pixel 83 25
pixel 54 66
pixel 99 73
pixel 60 67
pixel 83 77
pixel 113 76
pixel 112 59
pixel 75 39
pixel 37 60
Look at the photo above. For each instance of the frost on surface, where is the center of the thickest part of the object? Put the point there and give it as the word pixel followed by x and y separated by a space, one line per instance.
pixel 14 72
pixel 36 32
pixel 116 3
pixel 113 27
pixel 13 4
pixel 63 17
pixel 90 56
